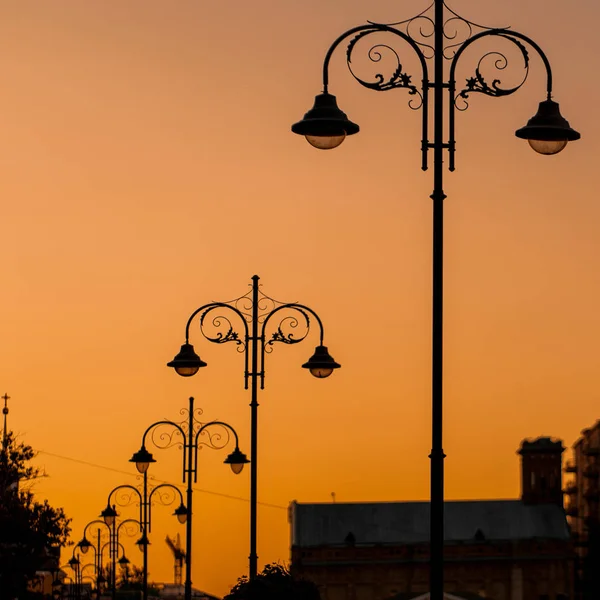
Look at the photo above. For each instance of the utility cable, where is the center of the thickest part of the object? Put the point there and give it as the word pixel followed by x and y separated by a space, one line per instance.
pixel 201 490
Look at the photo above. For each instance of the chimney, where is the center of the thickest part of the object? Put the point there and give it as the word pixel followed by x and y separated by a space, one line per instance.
pixel 541 471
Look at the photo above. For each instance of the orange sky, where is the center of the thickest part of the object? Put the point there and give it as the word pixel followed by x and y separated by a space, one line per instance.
pixel 148 168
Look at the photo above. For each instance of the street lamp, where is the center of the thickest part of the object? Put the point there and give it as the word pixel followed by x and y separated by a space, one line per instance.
pixel 255 313
pixel 75 589
pixel 84 546
pixel 125 495
pixel 189 433
pixel 440 35
pixel 109 520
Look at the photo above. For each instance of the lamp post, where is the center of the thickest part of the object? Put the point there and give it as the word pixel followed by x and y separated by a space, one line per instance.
pixel 187 436
pixel 165 494
pixel 256 314
pixel 75 588
pixel 440 36
pixel 84 546
pixel 109 520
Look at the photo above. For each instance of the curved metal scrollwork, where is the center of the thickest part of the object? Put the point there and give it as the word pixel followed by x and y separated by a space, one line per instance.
pixel 397 77
pixel 499 61
pixel 215 437
pixel 222 327
pixel 125 495
pixel 287 328
pixel 163 436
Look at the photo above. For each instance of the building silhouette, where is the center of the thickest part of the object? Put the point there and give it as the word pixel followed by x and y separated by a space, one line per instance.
pixel 498 549
pixel 583 511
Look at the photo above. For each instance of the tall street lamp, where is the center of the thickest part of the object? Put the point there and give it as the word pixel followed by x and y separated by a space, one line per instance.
pixel 255 314
pixel 164 493
pixel 193 434
pixel 438 35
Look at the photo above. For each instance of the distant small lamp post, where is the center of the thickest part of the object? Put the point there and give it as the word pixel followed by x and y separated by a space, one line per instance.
pixel 438 35
pixel 187 436
pixel 125 495
pixel 113 528
pixel 256 314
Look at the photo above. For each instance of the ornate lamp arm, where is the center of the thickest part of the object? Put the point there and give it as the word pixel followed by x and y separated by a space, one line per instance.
pixel 178 427
pixel 478 84
pixel 95 522
pixel 154 490
pixel 363 30
pixel 207 308
pixel 200 431
pixel 128 498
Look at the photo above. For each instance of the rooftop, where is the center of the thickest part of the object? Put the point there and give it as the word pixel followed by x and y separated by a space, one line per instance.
pixel 408 522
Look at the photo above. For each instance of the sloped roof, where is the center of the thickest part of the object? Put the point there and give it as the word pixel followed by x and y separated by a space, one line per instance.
pixel 408 522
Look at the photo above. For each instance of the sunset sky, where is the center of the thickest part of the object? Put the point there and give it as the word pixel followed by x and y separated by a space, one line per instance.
pixel 148 168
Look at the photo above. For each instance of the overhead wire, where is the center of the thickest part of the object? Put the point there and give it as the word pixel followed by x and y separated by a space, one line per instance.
pixel 128 473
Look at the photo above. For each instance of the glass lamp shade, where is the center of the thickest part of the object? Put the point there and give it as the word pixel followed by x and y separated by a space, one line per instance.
pixel 321 363
pixel 548 147
pixel 236 460
pixel 186 363
pixel 73 562
pixel 322 142
pixel 325 126
pixel 321 372
pixel 181 513
pixel 109 514
pixel 123 561
pixel 142 459
pixel 548 132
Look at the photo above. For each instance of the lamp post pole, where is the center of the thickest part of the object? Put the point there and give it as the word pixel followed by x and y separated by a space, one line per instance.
pixel 435 35
pixel 189 432
pixel 255 314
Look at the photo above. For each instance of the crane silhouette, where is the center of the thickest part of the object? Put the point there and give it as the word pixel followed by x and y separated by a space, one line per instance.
pixel 179 556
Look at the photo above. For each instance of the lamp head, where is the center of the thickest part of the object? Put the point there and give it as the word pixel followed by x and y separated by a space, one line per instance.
pixel 181 513
pixel 109 514
pixel 123 561
pixel 321 363
pixel 548 132
pixel 142 459
pixel 84 545
pixel 325 126
pixel 186 363
pixel 236 460
pixel 73 562
pixel 143 542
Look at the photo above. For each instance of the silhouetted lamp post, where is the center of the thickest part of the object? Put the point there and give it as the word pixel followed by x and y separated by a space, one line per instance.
pixel 164 493
pixel 255 314
pixel 109 520
pixel 187 436
pixel 441 36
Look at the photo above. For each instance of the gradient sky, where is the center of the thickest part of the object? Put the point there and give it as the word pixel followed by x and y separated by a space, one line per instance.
pixel 148 167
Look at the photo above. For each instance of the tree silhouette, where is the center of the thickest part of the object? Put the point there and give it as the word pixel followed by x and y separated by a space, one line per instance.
pixel 275 582
pixel 30 531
